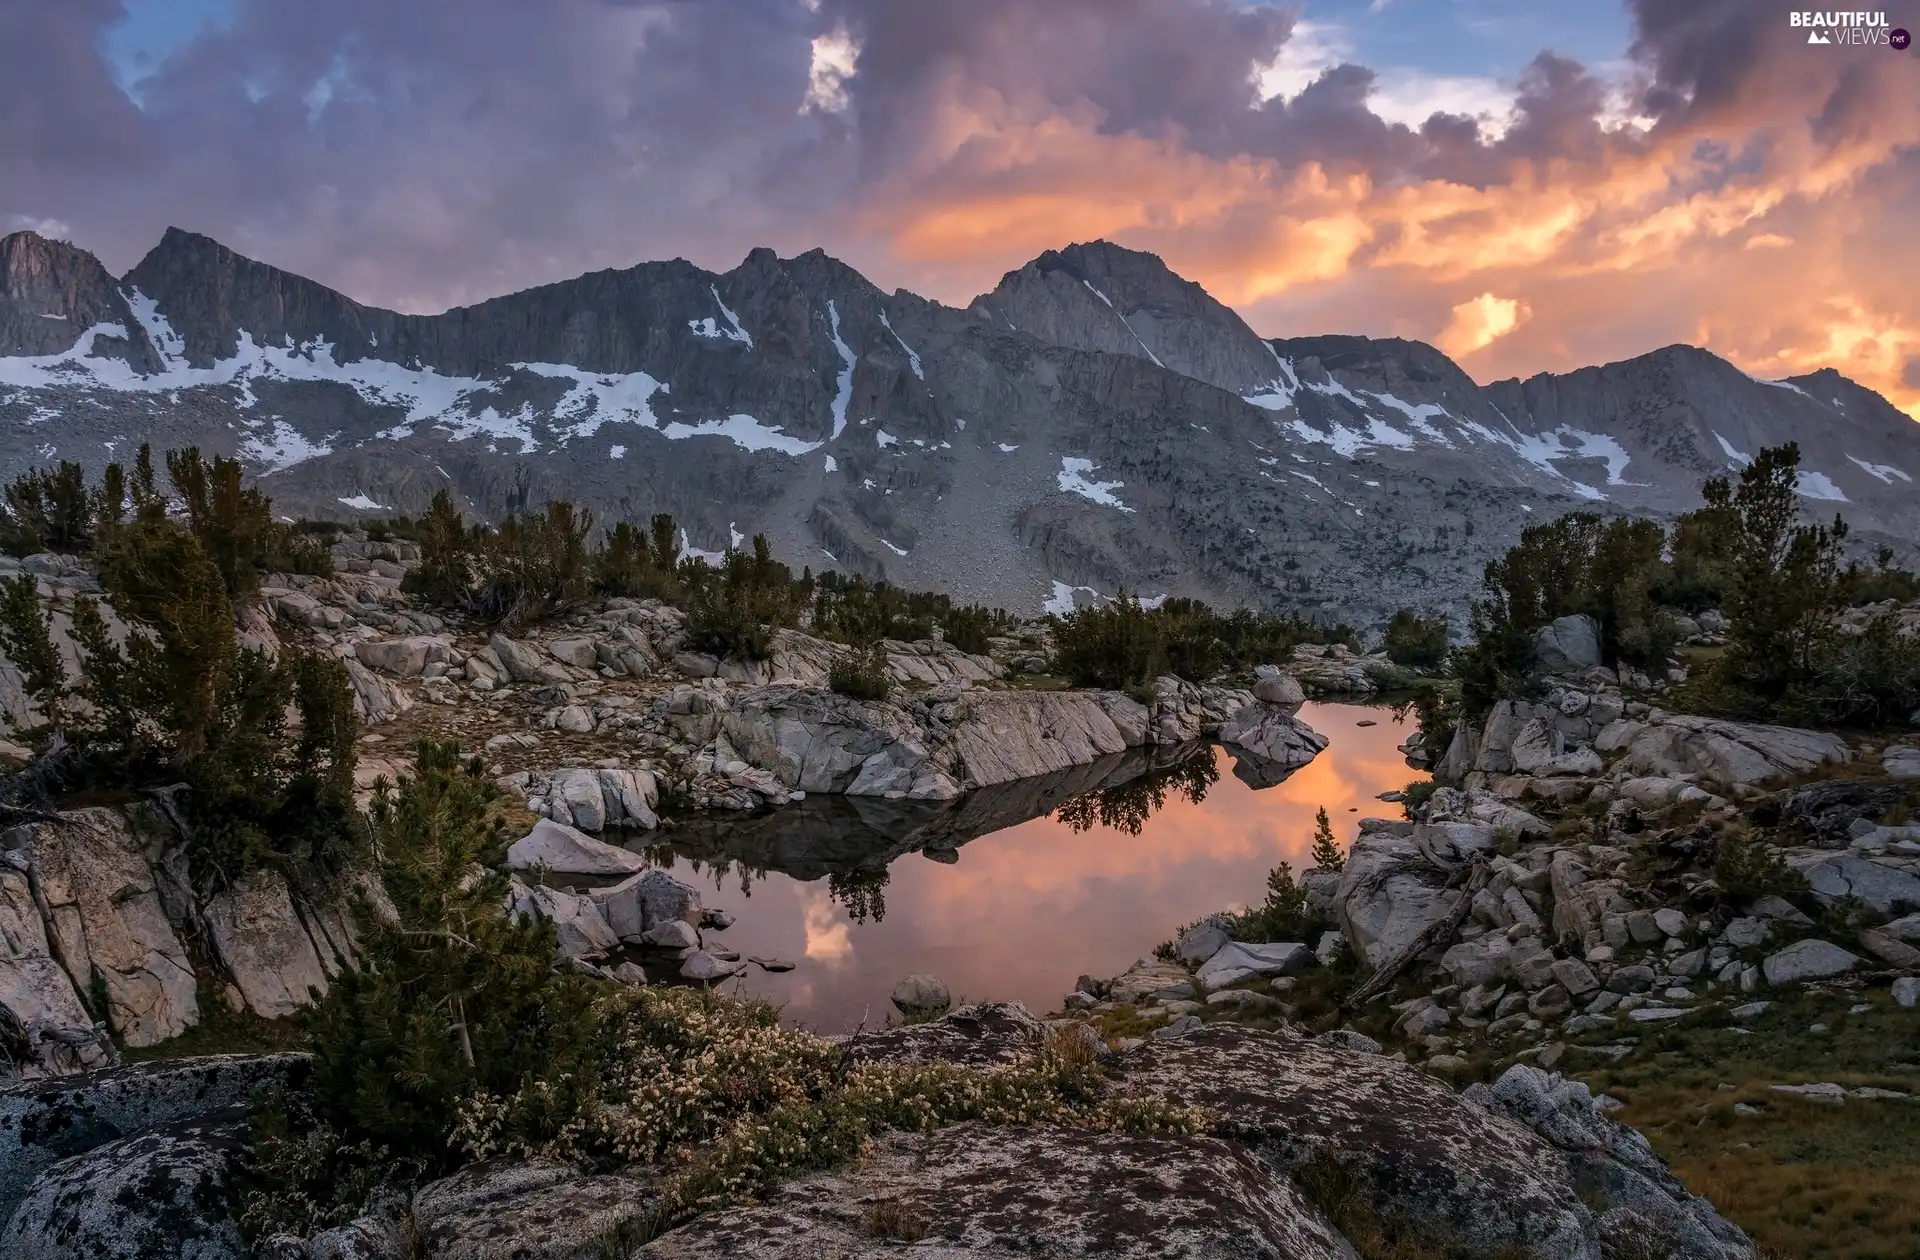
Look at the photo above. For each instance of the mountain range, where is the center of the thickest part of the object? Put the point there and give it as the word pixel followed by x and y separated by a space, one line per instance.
pixel 1095 422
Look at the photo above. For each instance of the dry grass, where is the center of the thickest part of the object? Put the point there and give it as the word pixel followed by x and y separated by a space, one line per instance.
pixel 890 1218
pixel 1807 1180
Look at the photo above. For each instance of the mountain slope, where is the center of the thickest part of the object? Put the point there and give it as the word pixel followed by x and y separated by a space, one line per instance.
pixel 1095 422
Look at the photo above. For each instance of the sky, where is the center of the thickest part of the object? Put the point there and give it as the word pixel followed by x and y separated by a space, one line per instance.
pixel 1530 186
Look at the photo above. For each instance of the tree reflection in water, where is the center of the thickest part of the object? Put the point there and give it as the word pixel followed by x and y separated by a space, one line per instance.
pixel 1127 806
pixel 861 891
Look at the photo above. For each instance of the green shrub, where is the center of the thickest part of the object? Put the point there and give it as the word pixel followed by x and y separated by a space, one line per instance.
pixel 639 566
pixel 449 1000
pixel 971 628
pixel 861 673
pixel 733 610
pixel 1189 633
pixel 1115 645
pixel 1416 642
pixel 49 510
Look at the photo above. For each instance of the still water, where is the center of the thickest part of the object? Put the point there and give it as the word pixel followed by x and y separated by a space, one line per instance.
pixel 1014 892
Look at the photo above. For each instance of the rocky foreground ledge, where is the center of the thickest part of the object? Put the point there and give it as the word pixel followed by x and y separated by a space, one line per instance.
pixel 1303 1145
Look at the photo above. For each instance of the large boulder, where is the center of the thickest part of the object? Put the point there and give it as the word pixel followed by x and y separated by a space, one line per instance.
pixel 1413 1149
pixel 635 906
pixel 1640 1202
pixel 166 1192
pixel 42 1122
pixel 109 922
pixel 1000 736
pixel 1567 644
pixel 984 1035
pixel 525 664
pixel 1729 754
pixel 1242 960
pixel 402 658
pixel 1885 888
pixel 1807 960
pixel 972 1192
pixel 533 1209
pixel 1273 734
pixel 565 851
pixel 818 741
pixel 580 929
pixel 1391 891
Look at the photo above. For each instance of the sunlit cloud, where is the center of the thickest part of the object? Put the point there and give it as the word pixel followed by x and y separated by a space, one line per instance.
pixel 1480 321
pixel 824 923
pixel 835 58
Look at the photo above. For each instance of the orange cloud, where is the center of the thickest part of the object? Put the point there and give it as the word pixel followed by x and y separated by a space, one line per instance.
pixel 1481 321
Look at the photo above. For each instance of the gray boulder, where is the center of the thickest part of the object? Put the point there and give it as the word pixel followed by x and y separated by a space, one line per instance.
pixel 922 995
pixel 1273 734
pixel 1729 754
pixel 533 1209
pixel 567 851
pixel 1886 888
pixel 1807 960
pixel 1241 960
pixel 166 1192
pixel 36 992
pixel 264 945
pixel 1200 942
pixel 1390 891
pixel 1641 1200
pixel 1567 644
pixel 1279 689
pixel 581 931
pixel 108 922
pixel 987 1034
pixel 1410 1147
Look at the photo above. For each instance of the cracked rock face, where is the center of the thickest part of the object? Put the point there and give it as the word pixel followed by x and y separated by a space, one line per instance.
pixel 976 1191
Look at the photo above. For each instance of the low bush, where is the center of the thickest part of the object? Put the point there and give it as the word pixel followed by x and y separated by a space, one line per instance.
pixel 1124 646
pixel 861 673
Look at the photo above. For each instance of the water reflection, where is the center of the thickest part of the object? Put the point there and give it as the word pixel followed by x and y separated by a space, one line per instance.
pixel 1013 892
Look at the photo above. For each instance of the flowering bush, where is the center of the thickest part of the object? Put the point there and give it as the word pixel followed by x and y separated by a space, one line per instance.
pixel 724 1102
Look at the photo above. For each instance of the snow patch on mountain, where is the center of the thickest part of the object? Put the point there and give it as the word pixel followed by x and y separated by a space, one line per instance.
pixel 745 432
pixel 913 357
pixel 1817 485
pixel 362 503
pixel 1885 472
pixel 597 398
pixel 1737 456
pixel 1074 478
pixel 706 327
pixel 843 382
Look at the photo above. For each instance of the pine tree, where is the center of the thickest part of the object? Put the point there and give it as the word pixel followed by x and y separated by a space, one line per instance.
pixel 1326 853
pixel 451 996
pixel 26 639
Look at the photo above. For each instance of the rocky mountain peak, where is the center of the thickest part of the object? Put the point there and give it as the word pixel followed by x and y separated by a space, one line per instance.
pixel 51 294
pixel 1101 296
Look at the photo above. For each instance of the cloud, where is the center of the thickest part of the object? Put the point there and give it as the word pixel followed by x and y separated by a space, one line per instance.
pixel 52 229
pixel 1480 321
pixel 442 151
pixel 834 57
